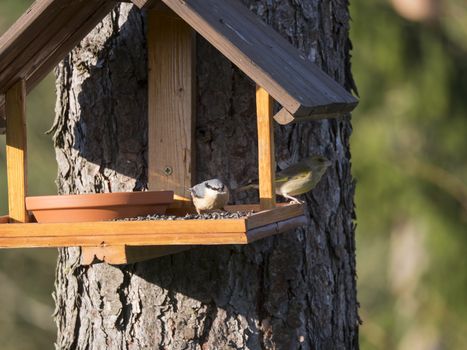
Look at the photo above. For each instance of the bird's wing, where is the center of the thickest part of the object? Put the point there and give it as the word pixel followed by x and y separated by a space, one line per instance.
pixel 198 191
pixel 293 172
pixel 296 171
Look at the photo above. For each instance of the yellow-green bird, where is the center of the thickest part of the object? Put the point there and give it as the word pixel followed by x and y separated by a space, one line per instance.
pixel 298 178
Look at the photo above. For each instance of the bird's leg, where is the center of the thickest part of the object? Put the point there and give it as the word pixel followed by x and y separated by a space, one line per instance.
pixel 198 211
pixel 293 199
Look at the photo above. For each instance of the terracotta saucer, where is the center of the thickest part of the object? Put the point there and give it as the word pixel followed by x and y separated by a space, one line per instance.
pixel 98 206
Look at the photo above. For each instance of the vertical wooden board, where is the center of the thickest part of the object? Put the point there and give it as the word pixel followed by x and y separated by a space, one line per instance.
pixel 171 77
pixel 171 102
pixel 266 161
pixel 16 156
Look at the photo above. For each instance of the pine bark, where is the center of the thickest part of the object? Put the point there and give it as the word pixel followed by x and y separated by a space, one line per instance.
pixel 292 291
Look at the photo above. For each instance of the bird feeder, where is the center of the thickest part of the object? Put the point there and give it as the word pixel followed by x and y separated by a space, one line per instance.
pixel 51 28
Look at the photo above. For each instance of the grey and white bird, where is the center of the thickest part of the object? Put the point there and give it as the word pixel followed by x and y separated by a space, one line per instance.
pixel 209 195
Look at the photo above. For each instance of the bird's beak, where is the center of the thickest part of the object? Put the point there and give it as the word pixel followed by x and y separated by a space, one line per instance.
pixel 328 163
pixel 188 189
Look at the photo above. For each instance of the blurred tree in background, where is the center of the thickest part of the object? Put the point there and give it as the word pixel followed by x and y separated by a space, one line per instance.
pixel 409 152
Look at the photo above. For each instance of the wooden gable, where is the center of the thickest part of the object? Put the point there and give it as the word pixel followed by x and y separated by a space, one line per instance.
pixel 49 29
pixel 41 37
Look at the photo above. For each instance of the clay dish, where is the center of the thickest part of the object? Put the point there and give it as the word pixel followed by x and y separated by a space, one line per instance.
pixel 98 207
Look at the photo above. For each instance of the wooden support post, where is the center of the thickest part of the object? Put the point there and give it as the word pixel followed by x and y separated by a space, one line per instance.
pixel 16 156
pixel 171 110
pixel 171 80
pixel 171 77
pixel 266 161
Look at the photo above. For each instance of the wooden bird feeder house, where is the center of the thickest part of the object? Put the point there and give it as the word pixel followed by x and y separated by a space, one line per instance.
pixel 51 28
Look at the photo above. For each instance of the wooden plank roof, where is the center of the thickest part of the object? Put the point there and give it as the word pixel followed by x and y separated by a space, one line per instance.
pixel 51 28
pixel 300 86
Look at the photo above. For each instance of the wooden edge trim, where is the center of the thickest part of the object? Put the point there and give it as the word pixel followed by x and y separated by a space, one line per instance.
pixel 177 228
pixel 275 228
pixel 159 239
pixel 284 117
pixel 274 215
pixel 97 200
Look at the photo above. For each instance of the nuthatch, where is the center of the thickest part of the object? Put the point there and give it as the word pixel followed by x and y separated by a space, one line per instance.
pixel 209 195
pixel 298 178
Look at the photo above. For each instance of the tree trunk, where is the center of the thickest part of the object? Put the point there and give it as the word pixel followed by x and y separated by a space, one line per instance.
pixel 292 291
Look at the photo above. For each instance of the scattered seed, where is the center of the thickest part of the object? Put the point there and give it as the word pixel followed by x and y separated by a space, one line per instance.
pixel 220 215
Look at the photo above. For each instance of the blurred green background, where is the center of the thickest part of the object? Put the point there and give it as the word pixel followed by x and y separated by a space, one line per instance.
pixel 409 151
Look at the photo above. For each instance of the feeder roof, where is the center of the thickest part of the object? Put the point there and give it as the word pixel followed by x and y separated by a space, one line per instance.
pixel 49 29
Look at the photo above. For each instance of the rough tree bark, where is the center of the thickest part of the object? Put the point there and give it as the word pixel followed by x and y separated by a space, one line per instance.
pixel 293 291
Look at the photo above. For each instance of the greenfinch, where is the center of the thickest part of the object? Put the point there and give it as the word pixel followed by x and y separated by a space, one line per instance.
pixel 298 178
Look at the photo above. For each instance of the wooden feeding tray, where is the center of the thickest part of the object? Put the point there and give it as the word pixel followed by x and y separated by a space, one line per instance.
pixel 259 224
pixel 103 234
pixel 39 40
